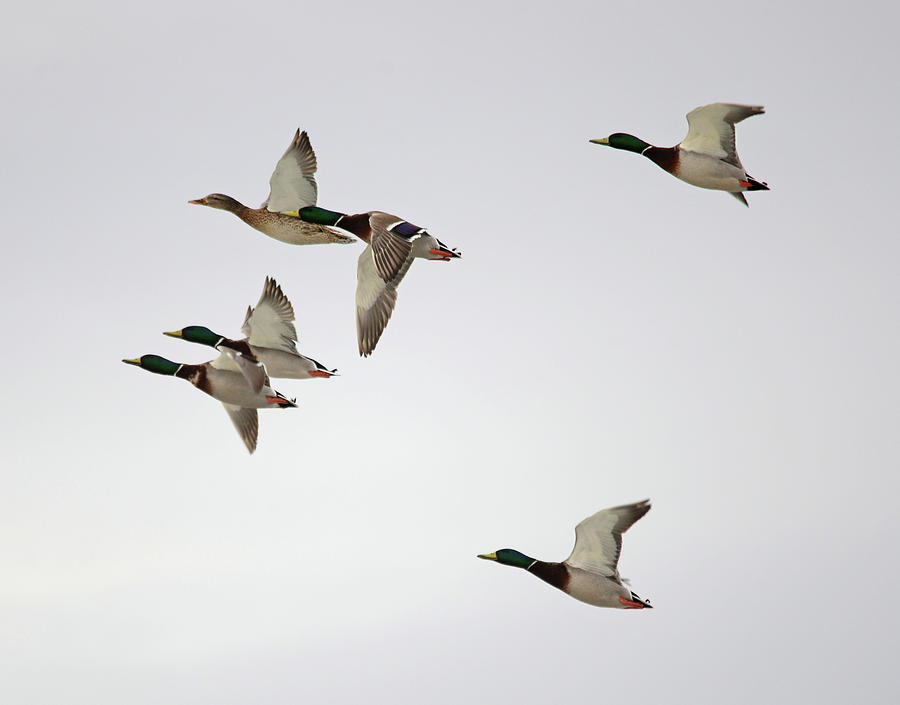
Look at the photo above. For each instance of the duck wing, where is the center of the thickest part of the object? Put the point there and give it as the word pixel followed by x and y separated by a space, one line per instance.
pixel 381 268
pixel 711 129
pixel 235 356
pixel 271 323
pixel 598 539
pixel 292 185
pixel 392 245
pixel 246 423
pixel 375 301
pixel 246 363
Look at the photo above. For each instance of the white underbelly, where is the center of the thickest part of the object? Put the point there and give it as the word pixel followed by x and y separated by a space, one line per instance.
pixel 282 364
pixel 294 231
pixel 232 388
pixel 595 589
pixel 709 172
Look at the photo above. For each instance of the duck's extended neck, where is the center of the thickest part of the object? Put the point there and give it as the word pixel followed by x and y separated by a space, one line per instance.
pixel 191 372
pixel 664 157
pixel 554 573
pixel 356 224
pixel 196 375
pixel 235 206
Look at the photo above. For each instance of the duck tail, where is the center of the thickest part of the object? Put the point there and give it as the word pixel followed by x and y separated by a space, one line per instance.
pixel 641 601
pixel 281 401
pixel 757 185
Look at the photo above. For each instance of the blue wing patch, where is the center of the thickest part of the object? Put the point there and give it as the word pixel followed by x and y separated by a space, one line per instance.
pixel 406 230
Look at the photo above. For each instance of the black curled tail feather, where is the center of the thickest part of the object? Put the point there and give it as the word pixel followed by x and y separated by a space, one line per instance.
pixel 757 185
pixel 285 403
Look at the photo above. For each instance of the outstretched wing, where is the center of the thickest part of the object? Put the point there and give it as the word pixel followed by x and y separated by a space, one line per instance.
pixel 711 129
pixel 293 183
pixel 375 301
pixel 392 244
pixel 381 268
pixel 598 539
pixel 271 323
pixel 246 422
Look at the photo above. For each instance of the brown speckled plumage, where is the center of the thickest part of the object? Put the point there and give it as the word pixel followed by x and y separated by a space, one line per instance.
pixel 289 229
pixel 292 187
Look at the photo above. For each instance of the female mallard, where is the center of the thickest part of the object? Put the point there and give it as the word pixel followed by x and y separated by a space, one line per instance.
pixel 589 574
pixel 228 387
pixel 271 342
pixel 292 186
pixel 707 156
pixel 392 245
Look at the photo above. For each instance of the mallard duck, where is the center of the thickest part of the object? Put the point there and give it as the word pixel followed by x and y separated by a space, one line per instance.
pixel 707 156
pixel 392 245
pixel 270 344
pixel 292 186
pixel 229 387
pixel 590 573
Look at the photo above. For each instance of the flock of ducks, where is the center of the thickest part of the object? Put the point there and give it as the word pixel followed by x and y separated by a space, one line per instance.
pixel 240 376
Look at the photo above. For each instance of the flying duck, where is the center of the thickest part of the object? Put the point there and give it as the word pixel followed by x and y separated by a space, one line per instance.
pixel 590 573
pixel 292 186
pixel 706 157
pixel 229 387
pixel 391 246
pixel 270 345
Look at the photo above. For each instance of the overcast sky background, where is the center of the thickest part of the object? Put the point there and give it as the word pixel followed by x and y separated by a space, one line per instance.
pixel 610 334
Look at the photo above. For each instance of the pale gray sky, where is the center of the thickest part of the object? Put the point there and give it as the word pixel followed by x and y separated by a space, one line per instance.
pixel 610 334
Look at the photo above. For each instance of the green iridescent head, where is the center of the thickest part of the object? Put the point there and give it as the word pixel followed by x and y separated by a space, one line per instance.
pixel 197 334
pixel 509 556
pixel 319 216
pixel 156 364
pixel 622 140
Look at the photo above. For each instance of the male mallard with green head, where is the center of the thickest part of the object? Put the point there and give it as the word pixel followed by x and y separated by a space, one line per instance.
pixel 391 246
pixel 292 187
pixel 271 341
pixel 229 387
pixel 707 157
pixel 590 574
